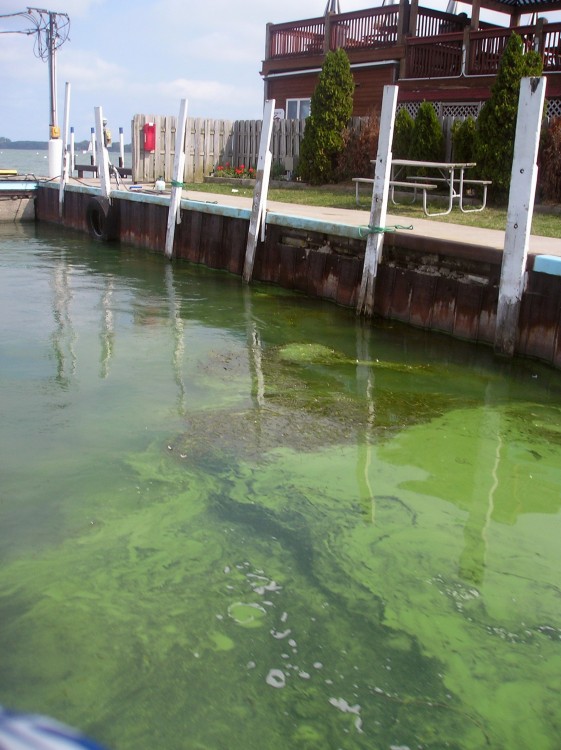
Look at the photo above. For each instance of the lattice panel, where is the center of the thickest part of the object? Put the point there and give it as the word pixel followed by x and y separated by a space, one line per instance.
pixel 554 108
pixel 411 107
pixel 469 109
pixel 460 109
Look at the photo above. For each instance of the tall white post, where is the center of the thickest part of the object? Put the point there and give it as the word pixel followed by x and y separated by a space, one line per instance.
pixel 104 177
pixel 261 188
pixel 379 205
pixel 520 210
pixel 121 148
pixel 93 155
pixel 65 155
pixel 177 178
pixel 72 151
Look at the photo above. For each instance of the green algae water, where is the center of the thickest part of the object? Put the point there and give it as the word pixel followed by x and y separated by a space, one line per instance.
pixel 233 517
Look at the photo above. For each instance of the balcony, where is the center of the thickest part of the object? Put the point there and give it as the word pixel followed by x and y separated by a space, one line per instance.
pixel 441 47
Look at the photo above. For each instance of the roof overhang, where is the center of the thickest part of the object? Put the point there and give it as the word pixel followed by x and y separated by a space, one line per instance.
pixel 514 7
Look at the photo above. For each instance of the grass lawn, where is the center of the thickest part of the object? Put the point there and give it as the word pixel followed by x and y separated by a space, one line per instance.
pixel 343 196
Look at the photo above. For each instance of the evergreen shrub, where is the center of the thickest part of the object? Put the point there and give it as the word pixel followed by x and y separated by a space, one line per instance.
pixel 427 139
pixel 330 110
pixel 463 140
pixel 496 124
pixel 402 134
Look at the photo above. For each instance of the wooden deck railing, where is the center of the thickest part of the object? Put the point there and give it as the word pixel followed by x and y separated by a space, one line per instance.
pixel 304 37
pixel 441 47
pixel 486 48
pixel 364 29
pixel 483 49
pixel 376 27
pixel 433 23
pixel 551 47
pixel 427 58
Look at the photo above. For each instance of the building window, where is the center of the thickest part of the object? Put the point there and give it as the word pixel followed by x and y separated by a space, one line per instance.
pixel 297 109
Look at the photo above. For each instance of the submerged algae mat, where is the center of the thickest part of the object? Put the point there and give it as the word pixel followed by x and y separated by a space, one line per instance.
pixel 380 607
pixel 284 533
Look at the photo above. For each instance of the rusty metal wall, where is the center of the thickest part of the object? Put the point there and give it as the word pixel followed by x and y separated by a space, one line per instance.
pixel 426 283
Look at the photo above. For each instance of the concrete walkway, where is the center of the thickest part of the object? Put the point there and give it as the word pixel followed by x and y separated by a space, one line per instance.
pixel 439 230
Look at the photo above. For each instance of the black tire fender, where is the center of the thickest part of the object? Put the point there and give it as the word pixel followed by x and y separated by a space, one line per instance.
pixel 101 218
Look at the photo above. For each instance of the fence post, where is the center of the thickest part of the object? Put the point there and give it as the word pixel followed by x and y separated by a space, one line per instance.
pixel 379 207
pixel 519 214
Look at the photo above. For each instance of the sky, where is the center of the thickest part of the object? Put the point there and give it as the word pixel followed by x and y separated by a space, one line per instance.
pixel 142 57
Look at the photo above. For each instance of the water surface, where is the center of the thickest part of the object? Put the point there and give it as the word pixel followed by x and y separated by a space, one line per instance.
pixel 233 517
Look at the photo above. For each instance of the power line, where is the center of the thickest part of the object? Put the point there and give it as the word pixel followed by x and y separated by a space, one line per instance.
pixel 51 30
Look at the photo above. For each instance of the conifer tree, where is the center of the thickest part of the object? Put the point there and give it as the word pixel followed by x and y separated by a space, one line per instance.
pixel 427 139
pixel 330 109
pixel 496 124
pixel 402 134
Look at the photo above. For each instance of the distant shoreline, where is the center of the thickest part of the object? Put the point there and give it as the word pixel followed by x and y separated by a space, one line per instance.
pixel 44 145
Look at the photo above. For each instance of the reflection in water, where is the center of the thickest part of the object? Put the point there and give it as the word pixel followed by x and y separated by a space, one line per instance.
pixel 322 533
pixel 486 473
pixel 107 335
pixel 63 336
pixel 254 350
pixel 365 382
pixel 178 332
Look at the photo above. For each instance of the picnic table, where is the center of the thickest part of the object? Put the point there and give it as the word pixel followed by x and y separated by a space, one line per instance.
pixel 449 175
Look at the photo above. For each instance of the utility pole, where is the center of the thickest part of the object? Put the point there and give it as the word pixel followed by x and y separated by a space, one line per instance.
pixel 51 30
pixel 54 130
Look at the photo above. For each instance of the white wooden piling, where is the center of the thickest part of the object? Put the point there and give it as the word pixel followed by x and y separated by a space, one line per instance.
pixel 65 155
pixel 261 188
pixel 177 179
pixel 379 205
pixel 72 151
pixel 103 166
pixel 121 148
pixel 93 155
pixel 519 215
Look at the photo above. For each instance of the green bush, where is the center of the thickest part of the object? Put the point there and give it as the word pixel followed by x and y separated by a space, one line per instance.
pixel 330 110
pixel 427 139
pixel 496 124
pixel 463 140
pixel 402 134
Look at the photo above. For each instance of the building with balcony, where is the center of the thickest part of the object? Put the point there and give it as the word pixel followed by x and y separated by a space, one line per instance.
pixel 450 59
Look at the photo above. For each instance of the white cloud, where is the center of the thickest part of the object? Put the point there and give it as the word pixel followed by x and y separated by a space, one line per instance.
pixel 93 73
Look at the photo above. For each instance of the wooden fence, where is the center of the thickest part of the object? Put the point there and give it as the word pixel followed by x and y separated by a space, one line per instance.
pixel 213 142
pixel 209 143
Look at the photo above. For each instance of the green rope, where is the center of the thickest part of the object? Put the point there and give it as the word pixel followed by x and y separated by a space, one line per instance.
pixel 365 231
pixel 175 183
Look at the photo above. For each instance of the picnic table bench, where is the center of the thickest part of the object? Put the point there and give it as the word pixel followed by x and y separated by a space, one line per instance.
pixel 424 186
pixel 484 184
pixel 451 175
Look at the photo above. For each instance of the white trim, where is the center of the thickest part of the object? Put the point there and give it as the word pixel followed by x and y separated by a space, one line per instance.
pixel 318 70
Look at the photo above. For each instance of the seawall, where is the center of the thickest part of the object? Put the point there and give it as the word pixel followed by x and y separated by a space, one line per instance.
pixel 438 284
